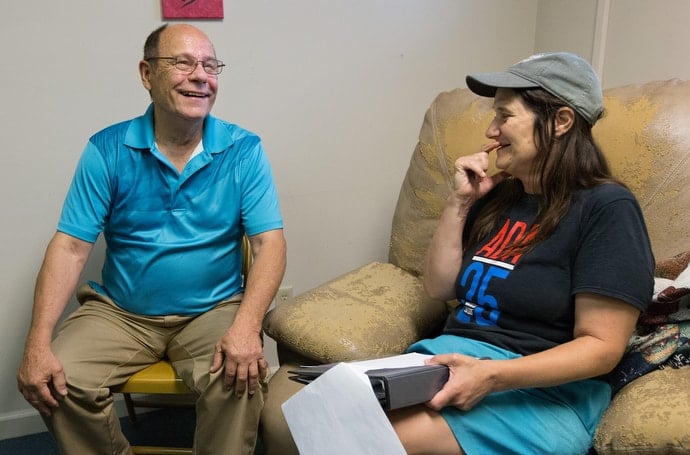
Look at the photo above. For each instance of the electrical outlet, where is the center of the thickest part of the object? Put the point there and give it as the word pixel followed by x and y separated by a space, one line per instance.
pixel 283 295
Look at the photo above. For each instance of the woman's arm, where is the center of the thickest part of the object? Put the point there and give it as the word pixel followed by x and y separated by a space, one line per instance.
pixel 603 326
pixel 444 256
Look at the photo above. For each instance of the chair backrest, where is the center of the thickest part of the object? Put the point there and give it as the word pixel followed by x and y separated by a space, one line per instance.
pixel 247 256
pixel 645 135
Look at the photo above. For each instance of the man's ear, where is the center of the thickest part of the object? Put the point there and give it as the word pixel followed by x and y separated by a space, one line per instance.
pixel 145 74
pixel 565 117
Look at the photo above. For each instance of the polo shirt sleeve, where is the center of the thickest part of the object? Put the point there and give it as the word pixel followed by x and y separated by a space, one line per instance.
pixel 260 208
pixel 87 203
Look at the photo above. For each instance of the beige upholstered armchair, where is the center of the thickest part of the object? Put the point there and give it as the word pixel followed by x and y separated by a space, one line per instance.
pixel 380 308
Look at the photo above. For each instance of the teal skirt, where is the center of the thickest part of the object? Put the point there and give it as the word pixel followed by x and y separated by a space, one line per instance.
pixel 554 420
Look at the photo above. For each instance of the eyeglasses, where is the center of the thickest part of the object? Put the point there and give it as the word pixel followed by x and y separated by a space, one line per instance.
pixel 188 65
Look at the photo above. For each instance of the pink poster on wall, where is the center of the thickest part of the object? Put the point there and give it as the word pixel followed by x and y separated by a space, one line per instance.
pixel 192 9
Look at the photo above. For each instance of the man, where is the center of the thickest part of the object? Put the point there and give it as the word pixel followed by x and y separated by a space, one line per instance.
pixel 173 192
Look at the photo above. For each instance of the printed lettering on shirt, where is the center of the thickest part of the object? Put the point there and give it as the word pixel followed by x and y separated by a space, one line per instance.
pixel 492 261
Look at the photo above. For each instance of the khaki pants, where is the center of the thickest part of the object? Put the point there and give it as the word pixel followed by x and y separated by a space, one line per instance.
pixel 100 346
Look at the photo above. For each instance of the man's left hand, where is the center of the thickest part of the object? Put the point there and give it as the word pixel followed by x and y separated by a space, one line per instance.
pixel 241 352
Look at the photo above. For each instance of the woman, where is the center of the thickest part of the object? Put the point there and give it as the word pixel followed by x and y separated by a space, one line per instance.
pixel 551 264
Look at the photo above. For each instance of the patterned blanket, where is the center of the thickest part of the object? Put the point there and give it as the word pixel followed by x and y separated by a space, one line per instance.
pixel 662 337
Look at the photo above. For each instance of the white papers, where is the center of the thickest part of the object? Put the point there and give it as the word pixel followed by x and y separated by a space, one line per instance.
pixel 338 413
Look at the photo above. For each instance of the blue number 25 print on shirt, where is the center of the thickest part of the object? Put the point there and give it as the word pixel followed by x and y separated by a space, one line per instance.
pixel 490 262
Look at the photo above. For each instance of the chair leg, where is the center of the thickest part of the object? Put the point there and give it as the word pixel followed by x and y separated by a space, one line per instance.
pixel 130 408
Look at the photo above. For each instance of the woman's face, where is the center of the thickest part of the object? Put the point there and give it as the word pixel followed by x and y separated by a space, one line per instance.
pixel 513 128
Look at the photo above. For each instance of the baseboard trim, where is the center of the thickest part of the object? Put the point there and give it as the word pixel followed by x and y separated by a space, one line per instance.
pixel 28 421
pixel 20 423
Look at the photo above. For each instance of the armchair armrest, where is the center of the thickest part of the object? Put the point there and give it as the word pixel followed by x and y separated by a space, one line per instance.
pixel 376 310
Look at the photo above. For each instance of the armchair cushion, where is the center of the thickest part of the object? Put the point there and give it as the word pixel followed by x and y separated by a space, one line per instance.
pixel 649 416
pixel 373 311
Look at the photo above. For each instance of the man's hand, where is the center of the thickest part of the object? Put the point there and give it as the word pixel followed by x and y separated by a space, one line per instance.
pixel 242 354
pixel 40 376
pixel 240 349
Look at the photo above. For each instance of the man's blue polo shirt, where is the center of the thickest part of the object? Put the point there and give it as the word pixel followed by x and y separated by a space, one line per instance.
pixel 173 240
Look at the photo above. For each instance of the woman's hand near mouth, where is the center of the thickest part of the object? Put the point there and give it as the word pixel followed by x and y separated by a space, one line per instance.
pixel 471 179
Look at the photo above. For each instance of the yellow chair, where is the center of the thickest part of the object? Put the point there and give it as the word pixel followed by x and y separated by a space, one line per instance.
pixel 160 378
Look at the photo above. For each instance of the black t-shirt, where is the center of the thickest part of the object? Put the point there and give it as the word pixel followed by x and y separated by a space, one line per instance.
pixel 525 303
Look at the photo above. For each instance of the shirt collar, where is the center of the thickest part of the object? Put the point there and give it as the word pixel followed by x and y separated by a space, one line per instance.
pixel 216 136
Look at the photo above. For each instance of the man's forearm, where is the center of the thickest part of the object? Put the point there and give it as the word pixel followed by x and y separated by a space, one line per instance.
pixel 264 277
pixel 57 279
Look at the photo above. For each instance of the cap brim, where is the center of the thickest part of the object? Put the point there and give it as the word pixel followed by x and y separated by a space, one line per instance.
pixel 485 84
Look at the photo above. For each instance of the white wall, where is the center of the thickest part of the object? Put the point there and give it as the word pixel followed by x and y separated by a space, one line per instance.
pixel 566 25
pixel 636 40
pixel 337 89
pixel 649 44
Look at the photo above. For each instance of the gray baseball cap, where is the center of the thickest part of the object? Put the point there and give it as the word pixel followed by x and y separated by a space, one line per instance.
pixel 564 75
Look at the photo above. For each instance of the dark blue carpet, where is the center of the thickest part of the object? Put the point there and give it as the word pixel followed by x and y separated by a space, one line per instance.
pixel 166 427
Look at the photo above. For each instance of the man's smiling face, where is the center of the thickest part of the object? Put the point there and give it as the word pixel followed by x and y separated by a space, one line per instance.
pixel 177 93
